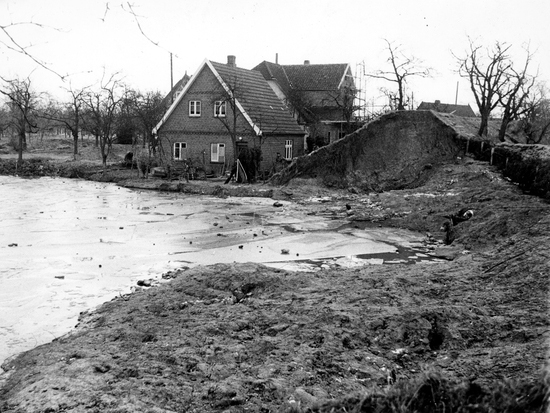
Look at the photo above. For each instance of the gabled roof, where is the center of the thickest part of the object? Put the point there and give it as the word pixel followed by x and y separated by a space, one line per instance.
pixel 259 105
pixel 273 71
pixel 180 84
pixel 306 77
pixel 459 110
pixel 316 77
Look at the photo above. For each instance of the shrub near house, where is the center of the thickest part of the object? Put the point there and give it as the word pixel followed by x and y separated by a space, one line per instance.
pixel 223 107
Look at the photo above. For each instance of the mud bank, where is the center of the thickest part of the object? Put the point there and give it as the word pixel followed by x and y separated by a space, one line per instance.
pixel 246 337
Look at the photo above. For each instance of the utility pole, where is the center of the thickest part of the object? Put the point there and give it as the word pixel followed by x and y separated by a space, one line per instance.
pixel 171 78
pixel 456 96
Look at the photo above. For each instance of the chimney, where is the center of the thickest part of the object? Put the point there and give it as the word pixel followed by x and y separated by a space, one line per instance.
pixel 306 62
pixel 231 61
pixel 276 58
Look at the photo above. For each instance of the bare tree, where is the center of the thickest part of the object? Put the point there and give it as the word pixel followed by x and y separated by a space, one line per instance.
pixel 4 120
pixel 487 73
pixel 535 120
pixel 346 99
pixel 148 109
pixel 68 114
pixel 22 103
pixel 101 108
pixel 515 94
pixel 227 108
pixel 402 67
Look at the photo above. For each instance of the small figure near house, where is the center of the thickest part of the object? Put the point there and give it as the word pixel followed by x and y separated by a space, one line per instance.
pixel 232 174
pixel 279 164
pixel 128 159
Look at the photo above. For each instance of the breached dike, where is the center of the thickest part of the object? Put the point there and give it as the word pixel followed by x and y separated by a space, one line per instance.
pixel 402 149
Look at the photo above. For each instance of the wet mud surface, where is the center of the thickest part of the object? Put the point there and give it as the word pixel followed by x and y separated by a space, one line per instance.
pixel 247 337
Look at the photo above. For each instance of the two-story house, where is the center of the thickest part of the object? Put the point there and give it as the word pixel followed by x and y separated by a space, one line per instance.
pixel 223 107
pixel 321 96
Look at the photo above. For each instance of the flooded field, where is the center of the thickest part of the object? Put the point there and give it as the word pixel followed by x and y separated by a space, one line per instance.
pixel 69 245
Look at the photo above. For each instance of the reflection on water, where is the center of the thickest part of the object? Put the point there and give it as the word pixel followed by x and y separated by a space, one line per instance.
pixel 69 245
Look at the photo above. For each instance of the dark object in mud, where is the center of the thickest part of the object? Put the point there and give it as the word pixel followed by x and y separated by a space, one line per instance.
pixel 447 227
pixel 463 215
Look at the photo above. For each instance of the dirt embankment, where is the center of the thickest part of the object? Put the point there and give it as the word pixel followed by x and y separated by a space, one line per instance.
pixel 249 338
pixel 401 149
pixel 467 333
pixel 395 151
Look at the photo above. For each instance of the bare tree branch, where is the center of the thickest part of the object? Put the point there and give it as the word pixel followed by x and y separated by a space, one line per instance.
pixel 402 68
pixel 133 13
pixel 13 45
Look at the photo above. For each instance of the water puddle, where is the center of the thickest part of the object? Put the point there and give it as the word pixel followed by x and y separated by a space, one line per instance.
pixel 68 245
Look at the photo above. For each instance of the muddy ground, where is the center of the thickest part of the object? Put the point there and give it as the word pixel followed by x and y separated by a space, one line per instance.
pixel 245 337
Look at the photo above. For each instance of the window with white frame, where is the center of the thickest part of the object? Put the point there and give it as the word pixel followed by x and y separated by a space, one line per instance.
pixel 180 151
pixel 219 109
pixel 288 150
pixel 194 108
pixel 217 152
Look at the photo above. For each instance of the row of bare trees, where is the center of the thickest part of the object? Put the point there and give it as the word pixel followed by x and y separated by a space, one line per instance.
pixel 499 85
pixel 107 111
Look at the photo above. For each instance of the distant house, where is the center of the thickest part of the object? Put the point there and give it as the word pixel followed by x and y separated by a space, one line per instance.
pixel 223 107
pixel 175 92
pixel 459 110
pixel 321 96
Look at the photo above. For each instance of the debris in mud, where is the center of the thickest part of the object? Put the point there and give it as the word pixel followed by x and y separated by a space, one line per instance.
pixel 463 215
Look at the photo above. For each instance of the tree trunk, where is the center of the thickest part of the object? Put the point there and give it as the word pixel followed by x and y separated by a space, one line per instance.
pixel 75 141
pixel 484 126
pixel 502 129
pixel 20 148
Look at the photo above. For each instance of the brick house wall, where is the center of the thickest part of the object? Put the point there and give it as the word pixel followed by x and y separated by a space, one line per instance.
pixel 196 134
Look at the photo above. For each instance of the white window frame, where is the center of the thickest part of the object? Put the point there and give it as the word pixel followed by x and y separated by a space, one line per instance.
pixel 288 149
pixel 220 108
pixel 178 150
pixel 217 152
pixel 194 108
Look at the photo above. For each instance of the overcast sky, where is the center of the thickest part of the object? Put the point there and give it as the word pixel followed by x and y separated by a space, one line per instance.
pixel 86 38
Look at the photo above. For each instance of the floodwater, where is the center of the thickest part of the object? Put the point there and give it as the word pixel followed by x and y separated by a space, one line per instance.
pixel 68 245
